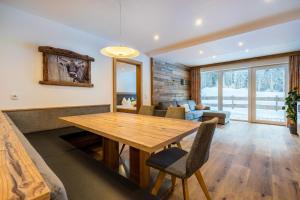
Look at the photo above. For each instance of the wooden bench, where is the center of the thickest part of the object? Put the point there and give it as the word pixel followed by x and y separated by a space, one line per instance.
pixel 19 177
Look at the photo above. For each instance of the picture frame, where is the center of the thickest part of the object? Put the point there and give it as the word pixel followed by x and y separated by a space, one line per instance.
pixel 63 67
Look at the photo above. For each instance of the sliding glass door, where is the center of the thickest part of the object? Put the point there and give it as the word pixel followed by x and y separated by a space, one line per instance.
pixel 209 89
pixel 254 94
pixel 235 93
pixel 269 93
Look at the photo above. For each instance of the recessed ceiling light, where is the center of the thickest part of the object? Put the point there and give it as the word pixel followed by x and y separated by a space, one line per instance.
pixel 198 22
pixel 156 37
pixel 201 52
pixel 268 1
pixel 214 57
pixel 246 50
pixel 241 44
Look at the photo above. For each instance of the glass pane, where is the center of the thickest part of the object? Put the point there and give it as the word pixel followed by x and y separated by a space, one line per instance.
pixel 270 94
pixel 235 93
pixel 209 89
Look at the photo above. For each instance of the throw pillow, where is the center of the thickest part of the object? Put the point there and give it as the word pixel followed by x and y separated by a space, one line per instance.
pixel 186 107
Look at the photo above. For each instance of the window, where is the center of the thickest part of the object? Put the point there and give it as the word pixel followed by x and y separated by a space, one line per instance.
pixel 229 90
pixel 235 93
pixel 209 89
pixel 270 92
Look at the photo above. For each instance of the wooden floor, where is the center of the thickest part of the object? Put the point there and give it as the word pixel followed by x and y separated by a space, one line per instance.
pixel 249 161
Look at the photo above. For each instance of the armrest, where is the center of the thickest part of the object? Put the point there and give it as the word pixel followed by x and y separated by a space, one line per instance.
pixel 206 108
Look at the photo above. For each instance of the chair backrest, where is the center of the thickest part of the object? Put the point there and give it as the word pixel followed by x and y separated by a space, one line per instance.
pixel 176 113
pixel 199 152
pixel 146 110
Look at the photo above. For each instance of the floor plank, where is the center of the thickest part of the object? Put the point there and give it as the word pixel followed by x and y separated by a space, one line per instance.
pixel 249 161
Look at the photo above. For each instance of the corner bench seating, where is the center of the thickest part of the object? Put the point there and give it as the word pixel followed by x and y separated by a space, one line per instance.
pixel 74 174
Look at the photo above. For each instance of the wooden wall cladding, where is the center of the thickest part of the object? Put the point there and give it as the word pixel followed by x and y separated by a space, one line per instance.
pixel 169 82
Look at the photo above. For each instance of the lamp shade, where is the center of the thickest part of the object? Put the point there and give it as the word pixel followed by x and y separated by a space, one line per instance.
pixel 120 52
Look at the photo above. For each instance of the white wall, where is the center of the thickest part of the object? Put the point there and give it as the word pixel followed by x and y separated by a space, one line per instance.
pixel 126 78
pixel 21 63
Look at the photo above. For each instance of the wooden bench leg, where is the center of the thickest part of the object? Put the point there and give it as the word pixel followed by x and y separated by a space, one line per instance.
pixel 202 184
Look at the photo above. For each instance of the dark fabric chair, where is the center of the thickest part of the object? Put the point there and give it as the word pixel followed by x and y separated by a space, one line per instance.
pixel 176 113
pixel 181 164
pixel 146 110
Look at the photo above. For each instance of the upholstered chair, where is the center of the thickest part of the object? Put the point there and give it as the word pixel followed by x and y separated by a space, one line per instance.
pixel 181 164
pixel 176 113
pixel 146 110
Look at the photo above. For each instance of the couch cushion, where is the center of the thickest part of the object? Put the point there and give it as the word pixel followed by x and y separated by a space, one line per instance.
pixel 197 113
pixel 192 104
pixel 189 116
pixel 166 105
pixel 181 102
pixel 186 107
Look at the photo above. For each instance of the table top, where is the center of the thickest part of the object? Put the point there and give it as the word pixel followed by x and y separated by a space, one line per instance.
pixel 147 133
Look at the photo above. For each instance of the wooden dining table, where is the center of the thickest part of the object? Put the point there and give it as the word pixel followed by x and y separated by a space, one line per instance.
pixel 143 134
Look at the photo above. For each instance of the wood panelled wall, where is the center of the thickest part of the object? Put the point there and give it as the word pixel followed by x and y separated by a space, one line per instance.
pixel 169 82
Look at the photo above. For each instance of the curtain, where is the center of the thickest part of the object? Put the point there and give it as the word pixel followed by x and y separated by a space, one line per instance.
pixel 294 72
pixel 195 85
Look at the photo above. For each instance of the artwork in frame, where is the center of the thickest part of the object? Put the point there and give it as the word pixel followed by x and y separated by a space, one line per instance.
pixel 65 68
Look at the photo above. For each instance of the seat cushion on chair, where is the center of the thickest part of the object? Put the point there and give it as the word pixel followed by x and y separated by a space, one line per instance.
pixel 171 161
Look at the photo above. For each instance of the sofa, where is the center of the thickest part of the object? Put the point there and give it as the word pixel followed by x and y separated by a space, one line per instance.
pixel 162 107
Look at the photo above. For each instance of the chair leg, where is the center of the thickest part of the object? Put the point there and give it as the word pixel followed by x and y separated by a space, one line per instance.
pixel 158 182
pixel 122 148
pixel 185 189
pixel 179 145
pixel 173 182
pixel 202 184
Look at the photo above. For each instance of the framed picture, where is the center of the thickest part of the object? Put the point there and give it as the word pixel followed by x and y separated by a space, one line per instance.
pixel 65 68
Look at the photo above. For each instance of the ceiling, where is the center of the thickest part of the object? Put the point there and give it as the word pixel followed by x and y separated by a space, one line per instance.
pixel 264 26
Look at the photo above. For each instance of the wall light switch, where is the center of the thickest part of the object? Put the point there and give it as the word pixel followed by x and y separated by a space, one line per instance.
pixel 14 97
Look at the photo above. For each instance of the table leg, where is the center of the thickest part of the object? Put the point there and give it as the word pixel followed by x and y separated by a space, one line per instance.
pixel 111 153
pixel 139 171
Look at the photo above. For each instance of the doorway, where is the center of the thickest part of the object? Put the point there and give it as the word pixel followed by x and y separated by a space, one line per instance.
pixel 127 85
